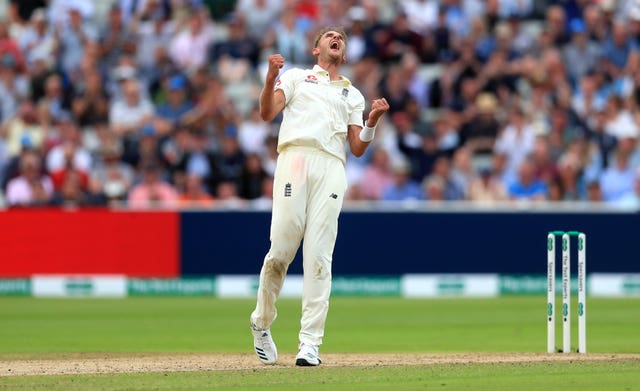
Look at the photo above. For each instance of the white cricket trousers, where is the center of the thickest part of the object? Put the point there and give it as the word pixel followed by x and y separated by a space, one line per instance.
pixel 308 190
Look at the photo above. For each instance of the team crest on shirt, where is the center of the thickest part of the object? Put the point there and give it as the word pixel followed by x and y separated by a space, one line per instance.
pixel 311 79
pixel 345 93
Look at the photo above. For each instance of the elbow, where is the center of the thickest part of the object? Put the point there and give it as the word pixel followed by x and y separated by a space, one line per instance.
pixel 268 113
pixel 358 151
pixel 267 117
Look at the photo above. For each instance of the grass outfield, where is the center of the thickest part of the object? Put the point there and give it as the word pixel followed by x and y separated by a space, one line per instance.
pixel 60 329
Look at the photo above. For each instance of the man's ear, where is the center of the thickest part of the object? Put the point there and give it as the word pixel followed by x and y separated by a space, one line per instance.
pixel 344 59
pixel 315 51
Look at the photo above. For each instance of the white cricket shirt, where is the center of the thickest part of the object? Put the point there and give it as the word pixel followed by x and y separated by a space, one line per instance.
pixel 318 111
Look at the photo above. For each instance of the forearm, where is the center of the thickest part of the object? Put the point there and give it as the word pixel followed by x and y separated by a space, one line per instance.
pixel 267 101
pixel 359 140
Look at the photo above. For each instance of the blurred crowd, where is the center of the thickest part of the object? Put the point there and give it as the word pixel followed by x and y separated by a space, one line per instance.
pixel 154 102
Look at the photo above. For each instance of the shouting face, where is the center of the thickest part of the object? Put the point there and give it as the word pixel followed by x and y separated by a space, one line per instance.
pixel 331 46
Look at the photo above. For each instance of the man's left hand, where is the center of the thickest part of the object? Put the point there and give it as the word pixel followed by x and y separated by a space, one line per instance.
pixel 378 107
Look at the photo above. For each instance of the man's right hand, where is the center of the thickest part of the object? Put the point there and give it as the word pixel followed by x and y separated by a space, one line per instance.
pixel 276 62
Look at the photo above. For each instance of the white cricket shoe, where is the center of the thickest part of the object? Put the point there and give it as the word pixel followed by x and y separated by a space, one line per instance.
pixel 264 346
pixel 308 355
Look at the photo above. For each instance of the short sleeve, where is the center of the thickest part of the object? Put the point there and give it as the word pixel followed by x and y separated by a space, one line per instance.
pixel 286 83
pixel 357 112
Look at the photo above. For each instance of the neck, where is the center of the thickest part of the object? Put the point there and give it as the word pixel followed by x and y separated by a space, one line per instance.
pixel 330 66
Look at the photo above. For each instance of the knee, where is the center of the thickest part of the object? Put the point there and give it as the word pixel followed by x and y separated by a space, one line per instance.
pixel 277 262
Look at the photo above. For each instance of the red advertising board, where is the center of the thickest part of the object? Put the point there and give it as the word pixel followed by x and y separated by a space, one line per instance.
pixel 133 243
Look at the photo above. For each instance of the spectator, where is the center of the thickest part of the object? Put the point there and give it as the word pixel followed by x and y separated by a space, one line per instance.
pixel 402 188
pixel 487 188
pixel 231 158
pixel 394 88
pixel 14 88
pixel 259 15
pixel 111 178
pixel 152 191
pixel 580 54
pixel 356 31
pixel 376 177
pixel 74 37
pixel 24 127
pixel 238 47
pixel 463 171
pixel 190 46
pixel 128 114
pixel 253 133
pixel 90 106
pixel 587 101
pixel 569 178
pixel 177 107
pixel 198 159
pixel 72 192
pixel 527 187
pixel 544 164
pixel 434 188
pixel 480 132
pixel 422 14
pixel 618 53
pixel 270 157
pixel 516 141
pixel 399 39
pixel 288 38
pixel 452 189
pixel 265 201
pixel 195 193
pixel 38 40
pixel 151 36
pixel 55 105
pixel 556 25
pixel 227 192
pixel 9 47
pixel 113 37
pixel 144 148
pixel 251 178
pixel 31 188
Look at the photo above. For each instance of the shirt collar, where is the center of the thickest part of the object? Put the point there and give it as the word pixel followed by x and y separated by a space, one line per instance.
pixel 320 71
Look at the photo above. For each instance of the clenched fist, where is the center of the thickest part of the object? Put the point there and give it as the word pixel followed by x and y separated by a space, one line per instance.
pixel 378 107
pixel 276 62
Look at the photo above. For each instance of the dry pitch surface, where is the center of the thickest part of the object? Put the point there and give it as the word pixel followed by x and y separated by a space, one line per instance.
pixel 113 364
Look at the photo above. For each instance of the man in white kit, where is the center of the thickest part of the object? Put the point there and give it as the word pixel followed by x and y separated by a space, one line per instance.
pixel 321 111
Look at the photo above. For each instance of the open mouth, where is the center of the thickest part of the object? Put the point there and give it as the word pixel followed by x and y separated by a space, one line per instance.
pixel 334 45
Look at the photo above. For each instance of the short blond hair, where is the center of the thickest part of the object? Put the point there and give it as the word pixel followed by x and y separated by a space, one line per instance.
pixel 337 29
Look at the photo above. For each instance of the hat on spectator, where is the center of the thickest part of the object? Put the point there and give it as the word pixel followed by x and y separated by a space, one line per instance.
pixel 148 130
pixel 231 130
pixel 503 30
pixel 8 61
pixel 486 102
pixel 177 82
pixel 26 142
pixel 577 26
